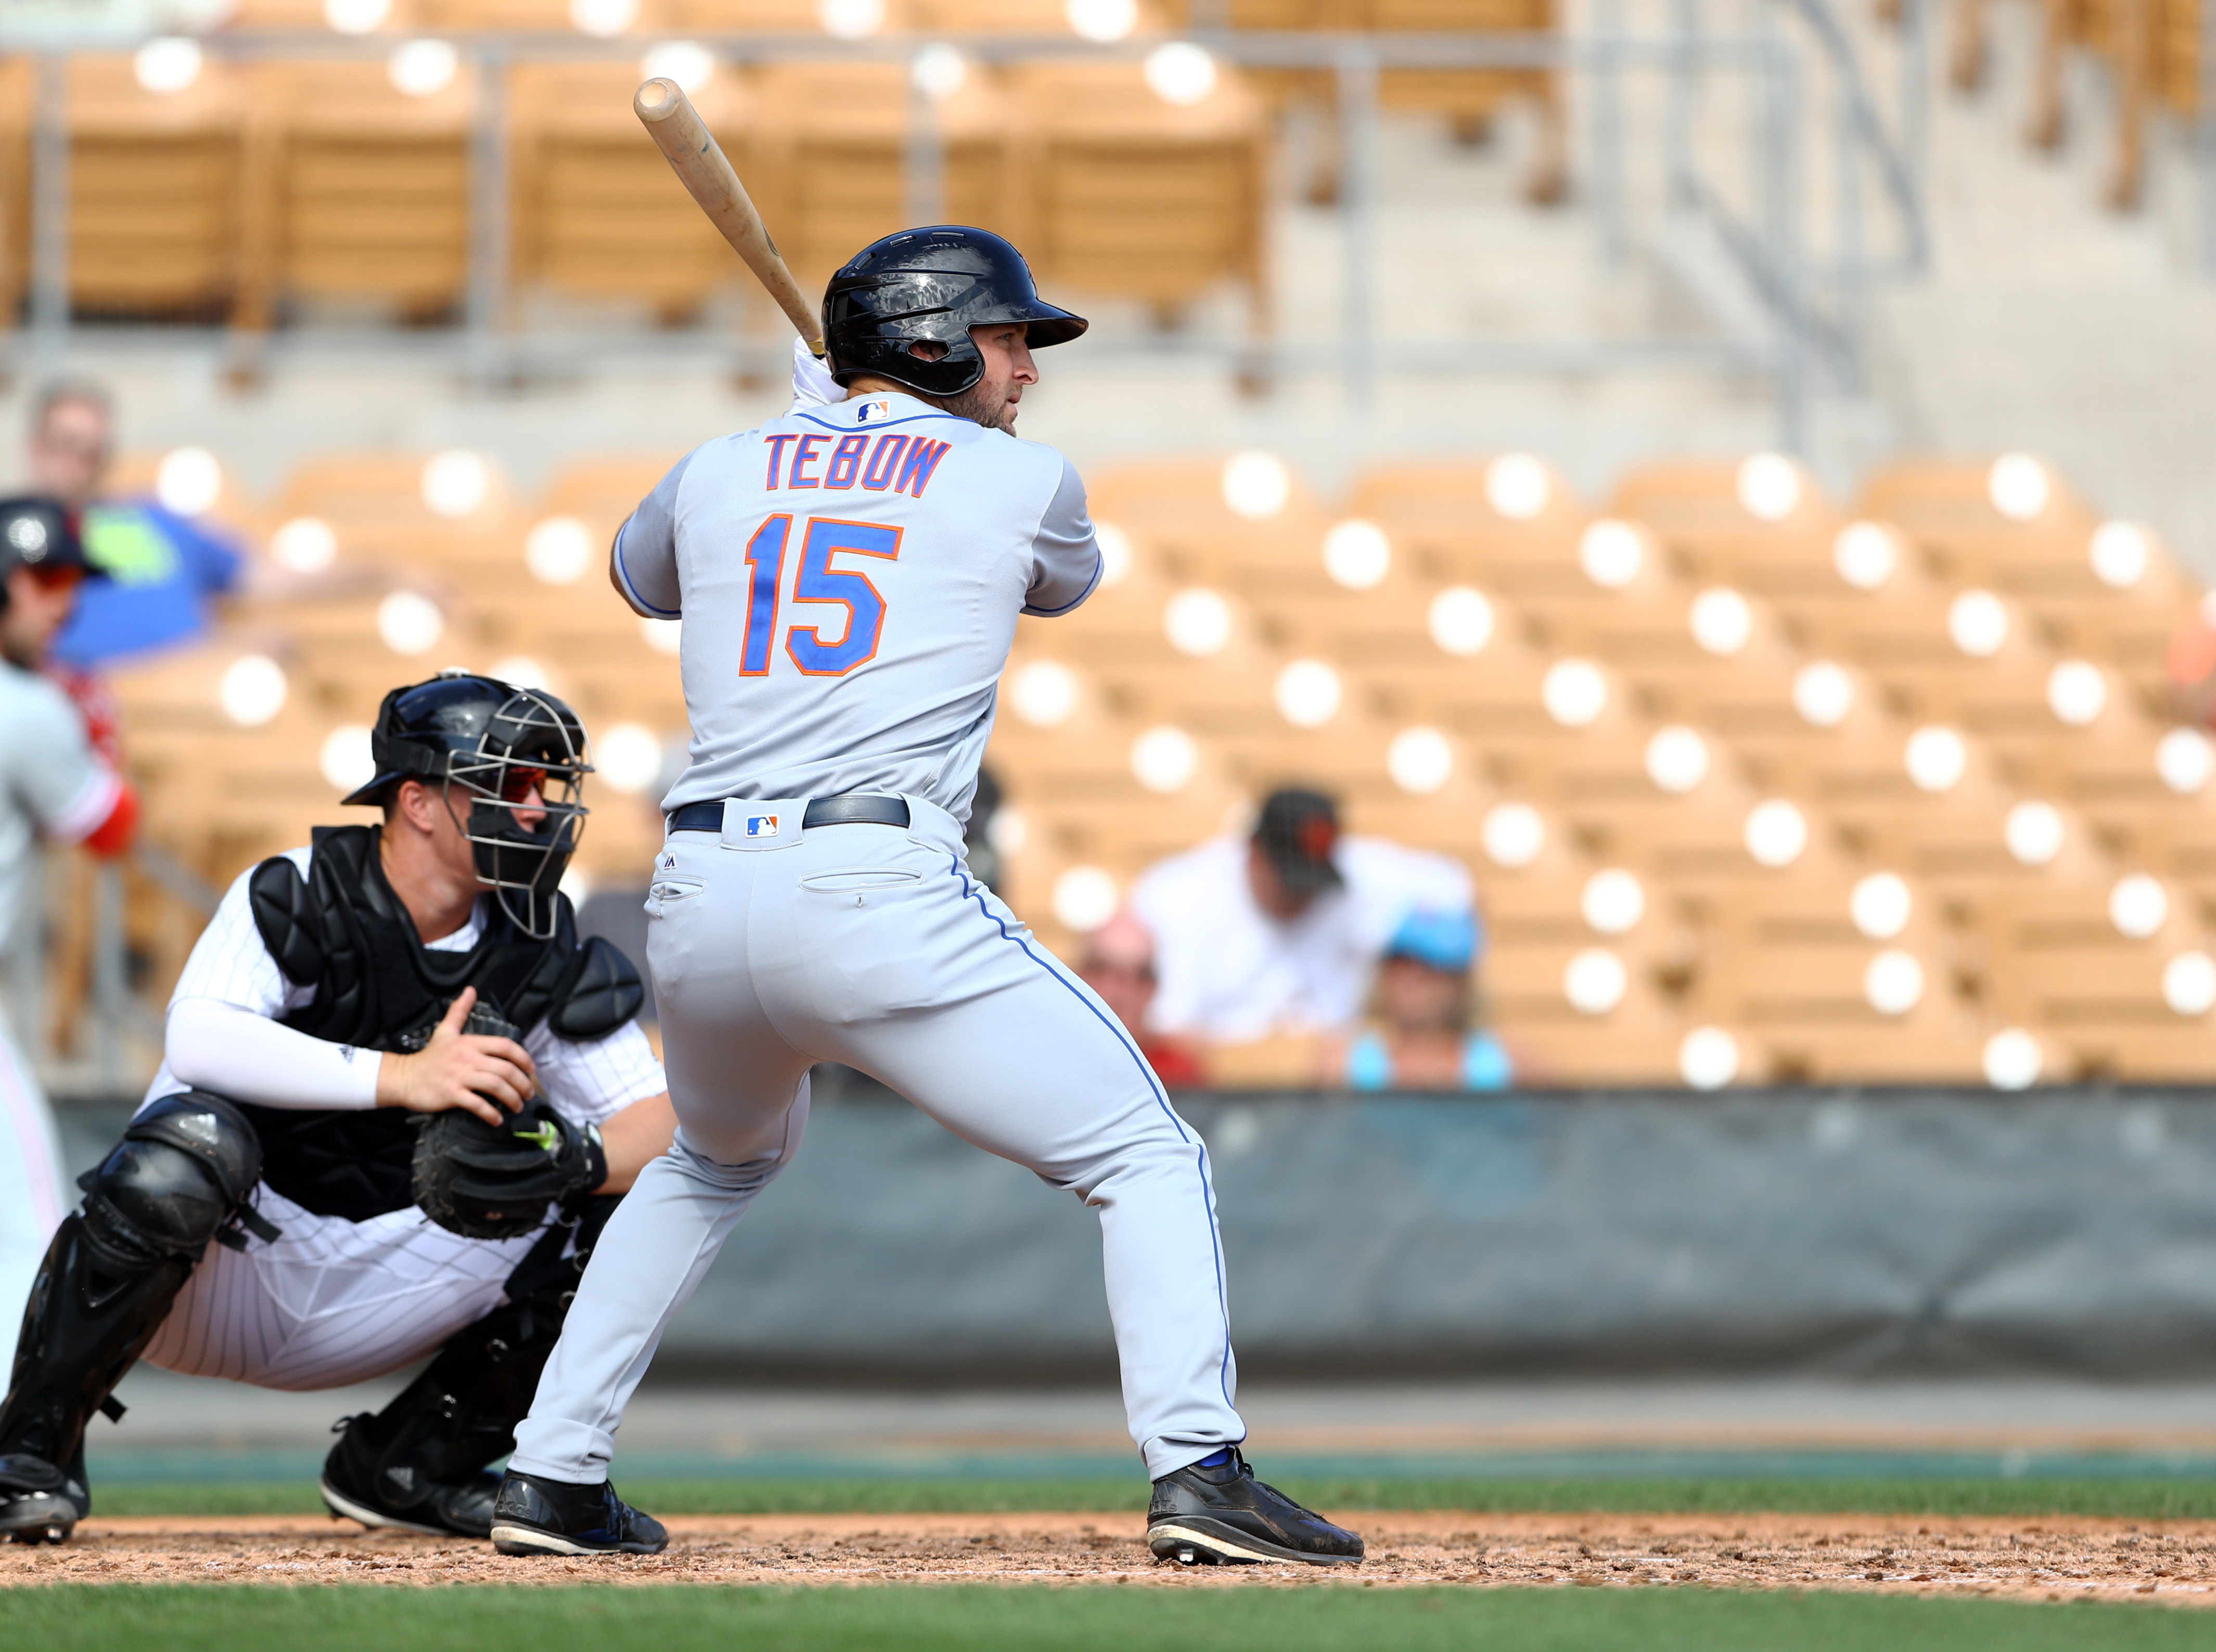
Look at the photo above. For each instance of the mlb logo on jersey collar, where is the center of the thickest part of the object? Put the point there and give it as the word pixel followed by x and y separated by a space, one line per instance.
pixel 762 822
pixel 874 411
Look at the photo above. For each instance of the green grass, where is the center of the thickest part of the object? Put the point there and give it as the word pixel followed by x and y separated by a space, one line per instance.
pixel 2120 1497
pixel 195 1618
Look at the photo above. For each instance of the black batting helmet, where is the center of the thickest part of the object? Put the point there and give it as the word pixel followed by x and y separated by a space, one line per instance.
pixel 500 744
pixel 38 533
pixel 933 284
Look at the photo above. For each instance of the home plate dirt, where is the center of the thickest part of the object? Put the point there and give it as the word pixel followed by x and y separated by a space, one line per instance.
pixel 2051 1558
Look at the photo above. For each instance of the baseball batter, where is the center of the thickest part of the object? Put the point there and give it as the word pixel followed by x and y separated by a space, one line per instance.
pixel 51 786
pixel 849 577
pixel 279 1212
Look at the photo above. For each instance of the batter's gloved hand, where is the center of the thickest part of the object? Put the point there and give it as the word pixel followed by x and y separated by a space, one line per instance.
pixel 812 383
pixel 493 1181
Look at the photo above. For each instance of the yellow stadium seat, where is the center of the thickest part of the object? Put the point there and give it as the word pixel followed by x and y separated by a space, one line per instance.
pixel 1443 520
pixel 831 149
pixel 1525 991
pixel 1471 97
pixel 1121 195
pixel 598 211
pixel 1784 961
pixel 604 490
pixel 360 192
pixel 154 182
pixel 1952 509
pixel 18 104
pixel 2060 961
pixel 1707 514
pixel 756 16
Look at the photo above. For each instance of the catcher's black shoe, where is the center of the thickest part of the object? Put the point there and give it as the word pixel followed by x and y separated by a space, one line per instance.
pixel 535 1516
pixel 381 1488
pixel 40 1503
pixel 1223 1516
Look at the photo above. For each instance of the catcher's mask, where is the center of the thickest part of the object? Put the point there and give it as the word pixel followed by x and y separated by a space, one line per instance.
pixel 517 755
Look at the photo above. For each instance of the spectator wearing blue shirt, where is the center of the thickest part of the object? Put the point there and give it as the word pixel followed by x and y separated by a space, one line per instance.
pixel 1423 1035
pixel 162 571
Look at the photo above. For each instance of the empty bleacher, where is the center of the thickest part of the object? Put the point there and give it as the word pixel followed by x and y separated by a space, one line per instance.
pixel 249 181
pixel 1749 792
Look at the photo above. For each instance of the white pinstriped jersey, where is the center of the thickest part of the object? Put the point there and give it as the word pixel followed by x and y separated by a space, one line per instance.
pixel 587 1080
pixel 849 578
pixel 331 1302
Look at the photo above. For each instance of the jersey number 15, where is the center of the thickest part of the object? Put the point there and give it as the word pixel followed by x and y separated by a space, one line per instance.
pixel 817 580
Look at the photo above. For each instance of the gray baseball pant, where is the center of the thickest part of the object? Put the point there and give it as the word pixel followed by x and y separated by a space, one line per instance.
pixel 873 946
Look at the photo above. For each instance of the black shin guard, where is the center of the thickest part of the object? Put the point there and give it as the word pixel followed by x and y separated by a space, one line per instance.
pixel 95 1306
pixel 182 1170
pixel 419 1460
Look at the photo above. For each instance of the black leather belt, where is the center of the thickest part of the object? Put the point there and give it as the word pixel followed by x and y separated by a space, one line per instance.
pixel 855 809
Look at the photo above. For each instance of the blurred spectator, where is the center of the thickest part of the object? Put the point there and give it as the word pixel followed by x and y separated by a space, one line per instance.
pixel 162 571
pixel 1423 1035
pixel 1281 933
pixel 1119 963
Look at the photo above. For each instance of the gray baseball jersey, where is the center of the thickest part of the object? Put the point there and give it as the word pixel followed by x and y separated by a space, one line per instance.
pixel 774 949
pixel 849 577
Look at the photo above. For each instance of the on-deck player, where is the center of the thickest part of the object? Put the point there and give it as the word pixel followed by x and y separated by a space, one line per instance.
pixel 337 994
pixel 849 578
pixel 53 784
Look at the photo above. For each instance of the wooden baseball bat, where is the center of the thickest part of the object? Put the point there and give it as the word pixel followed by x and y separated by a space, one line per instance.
pixel 693 154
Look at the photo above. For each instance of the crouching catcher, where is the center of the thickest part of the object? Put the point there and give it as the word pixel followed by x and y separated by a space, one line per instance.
pixel 400 1098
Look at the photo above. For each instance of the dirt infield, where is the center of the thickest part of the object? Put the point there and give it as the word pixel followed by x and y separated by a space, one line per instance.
pixel 2050 1559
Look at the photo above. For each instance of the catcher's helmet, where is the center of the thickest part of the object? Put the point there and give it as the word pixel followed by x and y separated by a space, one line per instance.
pixel 933 284
pixel 38 533
pixel 500 744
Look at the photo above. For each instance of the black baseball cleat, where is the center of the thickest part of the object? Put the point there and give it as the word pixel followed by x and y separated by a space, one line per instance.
pixel 1223 1516
pixel 378 1488
pixel 534 1516
pixel 39 1503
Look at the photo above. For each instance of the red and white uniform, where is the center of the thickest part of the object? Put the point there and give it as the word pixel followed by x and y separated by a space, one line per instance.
pixel 53 785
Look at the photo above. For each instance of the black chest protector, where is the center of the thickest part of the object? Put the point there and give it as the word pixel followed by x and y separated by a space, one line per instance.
pixel 342 931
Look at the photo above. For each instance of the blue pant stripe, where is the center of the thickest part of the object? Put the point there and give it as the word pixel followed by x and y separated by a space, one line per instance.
pixel 972 891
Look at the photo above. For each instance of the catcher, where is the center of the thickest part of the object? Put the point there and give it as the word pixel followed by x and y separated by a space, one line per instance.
pixel 398 1100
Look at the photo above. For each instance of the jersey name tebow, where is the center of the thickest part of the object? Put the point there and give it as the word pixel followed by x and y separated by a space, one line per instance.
pixel 904 464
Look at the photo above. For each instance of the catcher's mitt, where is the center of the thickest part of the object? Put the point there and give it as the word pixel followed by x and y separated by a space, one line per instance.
pixel 492 1181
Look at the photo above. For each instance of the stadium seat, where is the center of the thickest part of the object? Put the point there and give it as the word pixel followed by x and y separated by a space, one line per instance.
pixel 1445 518
pixel 1471 98
pixel 598 212
pixel 1048 19
pixel 18 108
pixel 831 146
pixel 234 513
pixel 1180 507
pixel 803 17
pixel 1761 524
pixel 1120 194
pixel 2061 961
pixel 155 180
pixel 1525 991
pixel 1832 1000
pixel 1954 511
pixel 360 192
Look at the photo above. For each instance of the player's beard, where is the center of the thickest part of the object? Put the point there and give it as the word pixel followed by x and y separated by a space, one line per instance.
pixel 983 404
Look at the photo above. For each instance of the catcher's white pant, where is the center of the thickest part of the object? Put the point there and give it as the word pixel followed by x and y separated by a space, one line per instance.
pixel 32 1199
pixel 331 1302
pixel 873 946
